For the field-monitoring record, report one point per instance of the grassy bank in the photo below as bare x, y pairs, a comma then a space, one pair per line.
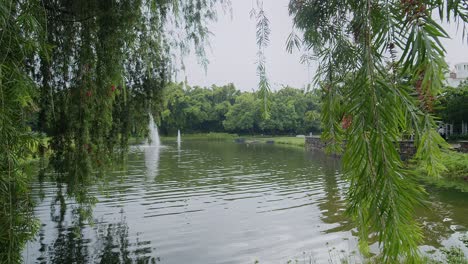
207, 136
284, 140
292, 141
457, 165
456, 175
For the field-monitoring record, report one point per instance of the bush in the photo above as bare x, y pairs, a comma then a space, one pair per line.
457, 165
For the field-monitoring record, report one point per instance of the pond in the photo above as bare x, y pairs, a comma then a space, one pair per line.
217, 202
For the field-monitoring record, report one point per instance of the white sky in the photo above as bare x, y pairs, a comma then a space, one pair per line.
233, 54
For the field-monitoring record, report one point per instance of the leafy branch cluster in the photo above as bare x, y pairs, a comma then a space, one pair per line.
263, 40
381, 65
20, 39
93, 71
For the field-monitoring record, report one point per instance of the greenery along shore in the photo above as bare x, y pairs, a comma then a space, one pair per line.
248, 139
227, 109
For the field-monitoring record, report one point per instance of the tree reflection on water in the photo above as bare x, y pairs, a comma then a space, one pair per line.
79, 237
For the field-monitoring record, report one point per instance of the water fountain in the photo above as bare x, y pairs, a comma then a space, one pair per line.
152, 150
179, 140
153, 136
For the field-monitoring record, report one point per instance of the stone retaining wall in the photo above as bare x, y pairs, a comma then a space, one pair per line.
314, 143
463, 147
407, 148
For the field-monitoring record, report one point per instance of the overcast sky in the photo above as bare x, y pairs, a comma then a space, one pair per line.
233, 53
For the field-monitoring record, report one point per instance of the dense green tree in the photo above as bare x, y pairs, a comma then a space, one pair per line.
243, 115
291, 112
223, 108
223, 97
173, 116
452, 105
194, 109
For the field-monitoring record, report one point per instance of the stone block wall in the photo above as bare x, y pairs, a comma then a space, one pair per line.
407, 147
463, 147
314, 143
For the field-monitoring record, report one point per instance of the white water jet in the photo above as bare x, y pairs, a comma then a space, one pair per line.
153, 137
152, 150
179, 140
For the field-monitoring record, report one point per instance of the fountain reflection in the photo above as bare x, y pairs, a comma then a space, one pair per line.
152, 161
179, 140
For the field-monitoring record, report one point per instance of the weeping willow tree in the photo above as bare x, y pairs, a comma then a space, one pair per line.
20, 39
381, 64
111, 60
93, 71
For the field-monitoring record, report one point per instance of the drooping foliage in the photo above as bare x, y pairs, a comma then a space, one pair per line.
111, 60
225, 109
86, 74
20, 39
381, 65
263, 39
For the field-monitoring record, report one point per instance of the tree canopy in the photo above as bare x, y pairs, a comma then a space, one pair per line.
224, 108
452, 105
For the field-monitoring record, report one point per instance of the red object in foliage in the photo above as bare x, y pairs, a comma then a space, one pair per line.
113, 88
424, 95
89, 93
87, 148
346, 121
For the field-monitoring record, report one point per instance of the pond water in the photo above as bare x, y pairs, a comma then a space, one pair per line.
217, 202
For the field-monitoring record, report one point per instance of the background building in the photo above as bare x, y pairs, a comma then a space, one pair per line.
458, 74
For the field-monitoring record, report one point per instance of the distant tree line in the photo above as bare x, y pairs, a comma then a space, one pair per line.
226, 109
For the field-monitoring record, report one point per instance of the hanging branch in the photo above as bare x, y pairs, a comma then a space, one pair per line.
351, 40
263, 40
